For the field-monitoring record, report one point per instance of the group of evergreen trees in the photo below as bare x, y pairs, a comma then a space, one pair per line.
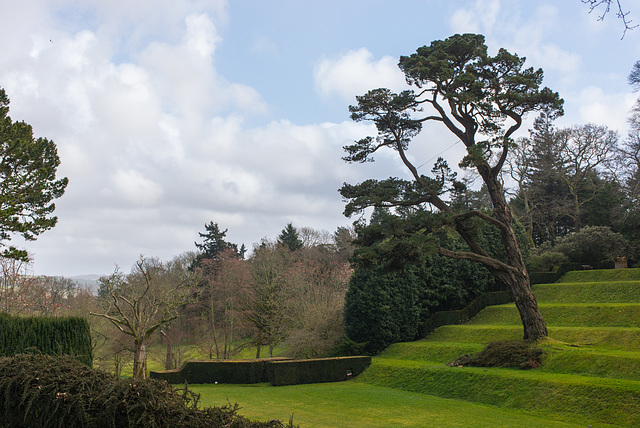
399, 282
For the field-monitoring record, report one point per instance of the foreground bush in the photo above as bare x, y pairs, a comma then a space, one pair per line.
44, 391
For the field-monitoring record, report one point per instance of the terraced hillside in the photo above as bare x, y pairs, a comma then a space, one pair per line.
591, 367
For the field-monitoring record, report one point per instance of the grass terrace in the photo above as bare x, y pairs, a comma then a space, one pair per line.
590, 374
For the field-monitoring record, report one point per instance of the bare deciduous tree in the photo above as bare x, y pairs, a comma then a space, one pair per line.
605, 7
145, 300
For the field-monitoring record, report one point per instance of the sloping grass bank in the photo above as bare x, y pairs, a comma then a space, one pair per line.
557, 396
591, 367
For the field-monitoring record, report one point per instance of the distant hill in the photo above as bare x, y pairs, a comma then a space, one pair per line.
89, 281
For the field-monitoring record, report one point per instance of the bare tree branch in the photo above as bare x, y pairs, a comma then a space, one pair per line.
621, 14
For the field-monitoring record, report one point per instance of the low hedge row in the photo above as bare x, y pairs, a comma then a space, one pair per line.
461, 316
218, 371
316, 370
277, 371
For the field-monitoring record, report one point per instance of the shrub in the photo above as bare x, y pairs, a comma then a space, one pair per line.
592, 245
43, 391
519, 354
547, 261
219, 371
381, 309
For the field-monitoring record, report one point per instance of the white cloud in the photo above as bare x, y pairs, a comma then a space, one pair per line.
478, 18
135, 188
162, 127
201, 36
356, 72
597, 106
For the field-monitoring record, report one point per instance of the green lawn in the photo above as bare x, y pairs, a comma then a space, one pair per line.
590, 374
357, 404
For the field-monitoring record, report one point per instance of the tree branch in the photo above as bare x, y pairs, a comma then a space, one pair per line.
489, 262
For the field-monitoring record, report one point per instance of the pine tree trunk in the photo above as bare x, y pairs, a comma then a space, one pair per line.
516, 278
532, 321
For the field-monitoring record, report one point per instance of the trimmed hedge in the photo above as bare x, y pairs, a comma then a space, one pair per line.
277, 371
316, 370
49, 336
222, 371
461, 316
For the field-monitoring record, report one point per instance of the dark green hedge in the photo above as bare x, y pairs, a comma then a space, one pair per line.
551, 277
50, 336
221, 371
439, 319
277, 371
316, 370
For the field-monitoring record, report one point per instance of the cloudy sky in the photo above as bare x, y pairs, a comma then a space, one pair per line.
169, 114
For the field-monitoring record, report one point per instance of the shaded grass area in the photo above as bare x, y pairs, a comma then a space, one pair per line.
358, 404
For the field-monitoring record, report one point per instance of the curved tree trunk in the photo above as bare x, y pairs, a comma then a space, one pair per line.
515, 275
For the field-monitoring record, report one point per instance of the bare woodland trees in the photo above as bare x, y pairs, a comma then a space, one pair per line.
225, 283
21, 292
558, 173
604, 7
149, 297
268, 302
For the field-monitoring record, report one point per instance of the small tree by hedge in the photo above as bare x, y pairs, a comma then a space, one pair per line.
50, 336
592, 245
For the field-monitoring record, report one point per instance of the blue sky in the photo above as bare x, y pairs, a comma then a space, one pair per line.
169, 114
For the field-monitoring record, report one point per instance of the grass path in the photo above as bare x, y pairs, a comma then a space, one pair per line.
357, 404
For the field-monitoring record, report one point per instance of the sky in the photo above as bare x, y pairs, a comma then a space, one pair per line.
169, 114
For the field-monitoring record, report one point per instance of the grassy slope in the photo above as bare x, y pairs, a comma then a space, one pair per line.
362, 405
591, 374
591, 369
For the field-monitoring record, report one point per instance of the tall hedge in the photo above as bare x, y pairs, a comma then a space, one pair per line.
399, 282
381, 308
49, 336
